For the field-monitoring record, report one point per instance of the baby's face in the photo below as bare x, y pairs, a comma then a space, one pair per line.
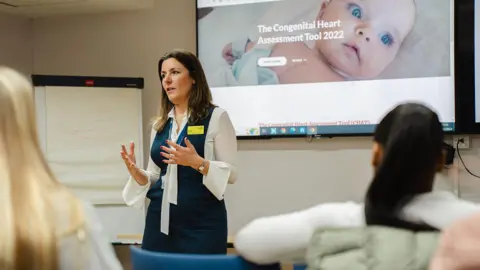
373, 31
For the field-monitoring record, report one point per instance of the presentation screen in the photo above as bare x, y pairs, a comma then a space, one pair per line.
477, 60
325, 67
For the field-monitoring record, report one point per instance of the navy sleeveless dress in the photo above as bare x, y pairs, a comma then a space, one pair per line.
198, 223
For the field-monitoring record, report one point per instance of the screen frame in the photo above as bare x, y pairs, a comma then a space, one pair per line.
464, 31
457, 102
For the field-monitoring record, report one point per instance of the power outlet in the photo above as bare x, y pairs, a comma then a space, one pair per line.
462, 145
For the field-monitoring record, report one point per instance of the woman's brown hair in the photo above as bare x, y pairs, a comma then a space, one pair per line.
200, 96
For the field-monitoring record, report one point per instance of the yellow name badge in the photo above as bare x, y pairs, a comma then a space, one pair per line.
195, 130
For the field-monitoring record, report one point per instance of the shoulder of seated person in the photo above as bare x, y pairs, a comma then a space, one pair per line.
437, 195
63, 207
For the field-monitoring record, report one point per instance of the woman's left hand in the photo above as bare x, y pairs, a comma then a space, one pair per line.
177, 154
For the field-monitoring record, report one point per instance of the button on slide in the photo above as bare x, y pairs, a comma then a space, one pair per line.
272, 61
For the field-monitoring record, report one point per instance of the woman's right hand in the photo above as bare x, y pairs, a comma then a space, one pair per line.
131, 162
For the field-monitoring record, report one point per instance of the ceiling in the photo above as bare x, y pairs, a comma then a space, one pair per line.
44, 8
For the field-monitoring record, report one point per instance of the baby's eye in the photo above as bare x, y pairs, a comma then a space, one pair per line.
386, 39
355, 10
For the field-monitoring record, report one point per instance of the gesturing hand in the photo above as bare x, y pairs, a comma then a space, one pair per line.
177, 154
130, 160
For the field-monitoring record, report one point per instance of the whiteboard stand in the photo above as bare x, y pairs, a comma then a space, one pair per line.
82, 122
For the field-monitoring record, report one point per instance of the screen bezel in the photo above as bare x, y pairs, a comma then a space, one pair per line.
464, 30
457, 102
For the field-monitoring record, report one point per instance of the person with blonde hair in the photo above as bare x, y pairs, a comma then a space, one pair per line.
43, 225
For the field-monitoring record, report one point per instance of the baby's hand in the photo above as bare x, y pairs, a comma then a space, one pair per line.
227, 54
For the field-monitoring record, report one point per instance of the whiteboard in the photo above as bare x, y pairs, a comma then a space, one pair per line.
81, 130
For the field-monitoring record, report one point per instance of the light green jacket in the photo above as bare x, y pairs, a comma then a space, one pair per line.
370, 248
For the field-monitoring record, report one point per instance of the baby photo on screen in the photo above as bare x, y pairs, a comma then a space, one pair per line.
315, 41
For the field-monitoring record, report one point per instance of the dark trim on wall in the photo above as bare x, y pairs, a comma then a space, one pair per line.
87, 81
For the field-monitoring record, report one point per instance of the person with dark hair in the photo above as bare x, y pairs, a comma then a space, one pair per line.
407, 154
192, 159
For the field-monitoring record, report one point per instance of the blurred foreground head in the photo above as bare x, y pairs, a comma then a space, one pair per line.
29, 193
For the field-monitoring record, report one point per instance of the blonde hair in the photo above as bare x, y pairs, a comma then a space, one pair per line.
29, 192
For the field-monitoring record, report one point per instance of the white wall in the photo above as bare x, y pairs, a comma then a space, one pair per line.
275, 176
16, 47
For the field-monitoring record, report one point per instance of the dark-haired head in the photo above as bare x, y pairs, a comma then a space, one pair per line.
407, 153
182, 71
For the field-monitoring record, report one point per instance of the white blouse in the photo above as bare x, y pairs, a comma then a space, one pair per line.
284, 238
220, 150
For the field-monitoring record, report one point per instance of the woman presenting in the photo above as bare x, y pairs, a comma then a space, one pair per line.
192, 159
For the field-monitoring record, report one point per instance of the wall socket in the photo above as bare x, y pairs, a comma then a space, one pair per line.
464, 145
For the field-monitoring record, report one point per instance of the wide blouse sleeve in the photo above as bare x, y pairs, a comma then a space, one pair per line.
223, 169
134, 194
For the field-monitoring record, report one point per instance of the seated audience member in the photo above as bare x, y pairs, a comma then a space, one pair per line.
371, 247
459, 246
407, 154
43, 225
